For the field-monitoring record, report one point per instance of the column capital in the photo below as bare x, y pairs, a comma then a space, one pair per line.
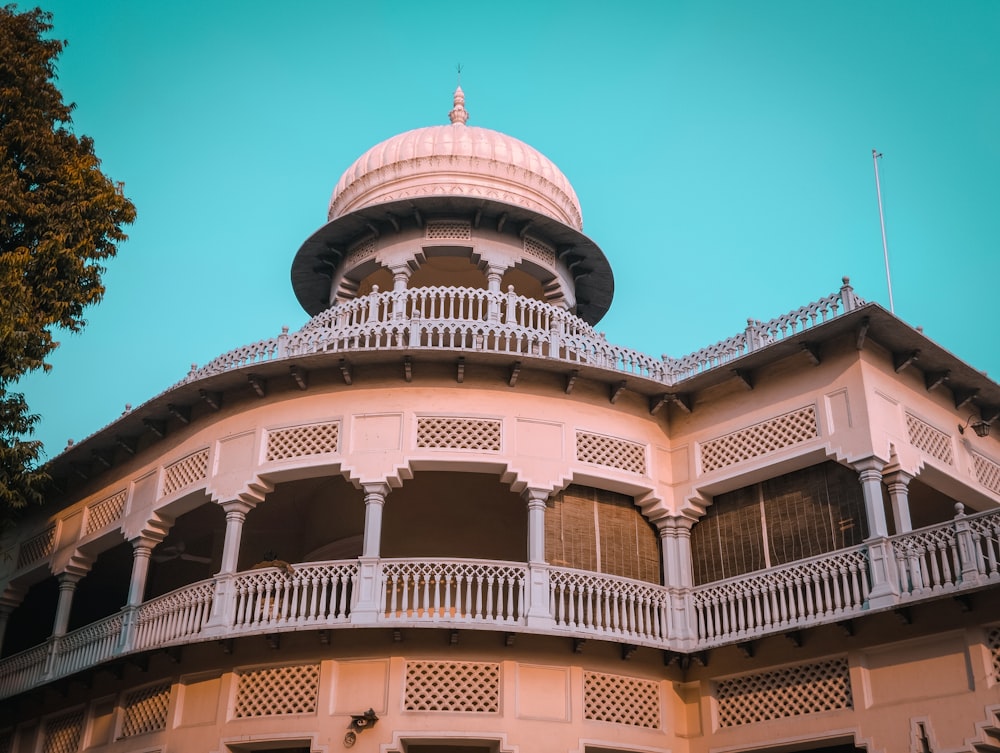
869, 466
241, 505
376, 491
534, 497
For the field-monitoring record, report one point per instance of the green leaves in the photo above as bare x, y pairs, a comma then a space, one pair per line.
60, 217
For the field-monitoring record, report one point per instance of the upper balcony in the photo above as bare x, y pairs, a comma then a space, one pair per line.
945, 560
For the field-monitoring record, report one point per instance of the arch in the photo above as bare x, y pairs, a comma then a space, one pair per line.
305, 520
421, 517
450, 266
780, 519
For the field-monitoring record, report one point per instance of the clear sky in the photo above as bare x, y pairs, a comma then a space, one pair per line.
721, 152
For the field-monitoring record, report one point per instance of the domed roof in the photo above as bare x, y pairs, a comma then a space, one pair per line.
457, 160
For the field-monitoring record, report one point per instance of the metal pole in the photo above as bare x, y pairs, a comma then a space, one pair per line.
881, 218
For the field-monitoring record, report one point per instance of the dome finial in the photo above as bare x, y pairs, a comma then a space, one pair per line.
458, 113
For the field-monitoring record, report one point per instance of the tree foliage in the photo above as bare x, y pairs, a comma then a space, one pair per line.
60, 218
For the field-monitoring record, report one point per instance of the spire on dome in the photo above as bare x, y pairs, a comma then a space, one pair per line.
458, 113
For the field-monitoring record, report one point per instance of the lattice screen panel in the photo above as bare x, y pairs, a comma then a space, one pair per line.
611, 452
37, 547
146, 710
760, 439
929, 440
792, 691
539, 250
459, 231
622, 700
105, 512
185, 472
361, 251
987, 472
62, 733
471, 687
993, 643
441, 433
299, 441
277, 690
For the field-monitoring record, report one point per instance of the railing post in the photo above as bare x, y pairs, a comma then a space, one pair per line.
367, 591
415, 328
752, 335
510, 315
848, 300
283, 342
538, 613
494, 274
555, 336
882, 558
968, 554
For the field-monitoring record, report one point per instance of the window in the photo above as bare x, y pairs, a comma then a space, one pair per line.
785, 519
601, 531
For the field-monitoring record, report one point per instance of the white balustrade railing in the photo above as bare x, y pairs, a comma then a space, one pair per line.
310, 594
174, 616
474, 319
964, 551
455, 591
24, 670
604, 605
87, 646
984, 533
959, 554
831, 585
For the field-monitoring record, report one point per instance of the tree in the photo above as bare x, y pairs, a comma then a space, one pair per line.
60, 218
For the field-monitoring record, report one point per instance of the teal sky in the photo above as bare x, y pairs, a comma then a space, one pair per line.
721, 152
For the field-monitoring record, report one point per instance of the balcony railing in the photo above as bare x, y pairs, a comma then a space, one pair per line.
958, 555
473, 319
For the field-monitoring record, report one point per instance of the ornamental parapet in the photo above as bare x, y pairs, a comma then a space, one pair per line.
477, 320
938, 561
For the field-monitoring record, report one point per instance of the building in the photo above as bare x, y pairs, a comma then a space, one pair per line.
448, 515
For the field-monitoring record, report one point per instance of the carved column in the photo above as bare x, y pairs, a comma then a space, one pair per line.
494, 274
538, 613
400, 282
678, 575
224, 601
236, 518
882, 561
67, 587
366, 605
142, 550
898, 483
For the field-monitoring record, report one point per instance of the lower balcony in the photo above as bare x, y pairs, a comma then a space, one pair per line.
947, 559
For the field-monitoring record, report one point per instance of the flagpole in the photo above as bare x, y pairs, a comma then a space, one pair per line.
881, 218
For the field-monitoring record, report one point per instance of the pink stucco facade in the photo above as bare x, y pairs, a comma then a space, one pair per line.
449, 501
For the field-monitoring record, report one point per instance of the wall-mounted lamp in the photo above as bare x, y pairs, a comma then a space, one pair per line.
982, 428
359, 723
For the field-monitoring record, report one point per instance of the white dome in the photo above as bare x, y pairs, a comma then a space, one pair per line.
457, 160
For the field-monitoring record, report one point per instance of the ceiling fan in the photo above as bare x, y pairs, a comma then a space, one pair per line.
177, 552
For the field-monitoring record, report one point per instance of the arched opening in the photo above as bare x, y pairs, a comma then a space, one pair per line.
104, 590
31, 622
601, 531
450, 266
380, 276
524, 283
191, 551
791, 517
308, 520
929, 505
453, 514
